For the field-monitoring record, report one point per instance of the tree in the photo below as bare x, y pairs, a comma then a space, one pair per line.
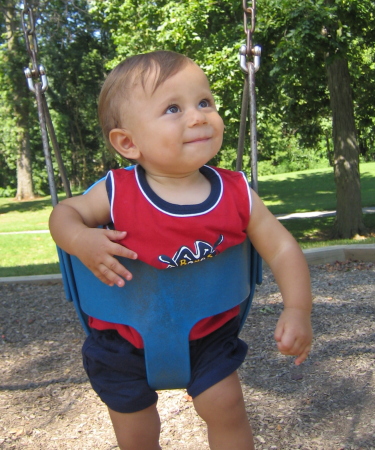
74, 51
309, 46
309, 49
346, 149
12, 61
209, 32
346, 152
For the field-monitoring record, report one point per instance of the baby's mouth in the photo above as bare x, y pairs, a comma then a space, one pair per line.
197, 140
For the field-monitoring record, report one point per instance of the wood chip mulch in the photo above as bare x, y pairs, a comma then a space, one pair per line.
328, 403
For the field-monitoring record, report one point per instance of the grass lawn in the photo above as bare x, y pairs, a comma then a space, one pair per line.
27, 254
310, 190
315, 232
24, 216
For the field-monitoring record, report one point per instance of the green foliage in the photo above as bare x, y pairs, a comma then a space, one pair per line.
8, 145
14, 101
76, 52
207, 31
79, 42
299, 38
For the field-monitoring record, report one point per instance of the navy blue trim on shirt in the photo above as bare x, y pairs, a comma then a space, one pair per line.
181, 210
108, 186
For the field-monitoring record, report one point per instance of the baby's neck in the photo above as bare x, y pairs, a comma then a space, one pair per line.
190, 189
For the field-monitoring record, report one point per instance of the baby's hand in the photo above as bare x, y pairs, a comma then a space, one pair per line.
293, 333
96, 248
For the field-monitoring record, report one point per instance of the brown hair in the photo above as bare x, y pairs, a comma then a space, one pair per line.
136, 69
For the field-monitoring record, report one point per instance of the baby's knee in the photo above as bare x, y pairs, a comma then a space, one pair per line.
224, 399
139, 430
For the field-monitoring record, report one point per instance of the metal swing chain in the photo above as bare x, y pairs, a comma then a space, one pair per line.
249, 67
38, 88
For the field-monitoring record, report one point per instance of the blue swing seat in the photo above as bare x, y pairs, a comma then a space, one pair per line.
164, 305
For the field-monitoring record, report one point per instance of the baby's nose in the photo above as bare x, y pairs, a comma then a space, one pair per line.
197, 117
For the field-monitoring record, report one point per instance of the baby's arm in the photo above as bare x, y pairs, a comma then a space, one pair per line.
73, 225
282, 253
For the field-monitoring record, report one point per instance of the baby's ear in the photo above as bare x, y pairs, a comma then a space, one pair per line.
122, 142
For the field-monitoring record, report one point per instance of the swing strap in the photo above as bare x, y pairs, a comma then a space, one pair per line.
250, 63
37, 73
249, 67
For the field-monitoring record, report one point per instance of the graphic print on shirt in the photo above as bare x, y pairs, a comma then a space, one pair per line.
185, 255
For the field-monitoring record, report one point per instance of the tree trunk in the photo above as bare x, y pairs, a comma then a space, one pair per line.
348, 221
25, 189
20, 102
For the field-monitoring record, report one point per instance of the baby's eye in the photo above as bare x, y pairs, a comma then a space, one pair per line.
204, 103
173, 109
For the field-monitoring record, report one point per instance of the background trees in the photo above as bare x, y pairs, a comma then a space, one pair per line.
74, 53
209, 32
15, 106
318, 49
317, 65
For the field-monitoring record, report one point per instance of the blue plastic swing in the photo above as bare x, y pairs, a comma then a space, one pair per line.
164, 305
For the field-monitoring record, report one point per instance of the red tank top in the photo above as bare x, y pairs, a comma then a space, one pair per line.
167, 236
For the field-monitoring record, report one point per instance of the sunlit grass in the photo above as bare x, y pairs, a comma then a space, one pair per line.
27, 254
22, 249
310, 190
24, 216
315, 232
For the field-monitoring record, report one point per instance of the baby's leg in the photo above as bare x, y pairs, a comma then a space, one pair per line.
139, 430
222, 407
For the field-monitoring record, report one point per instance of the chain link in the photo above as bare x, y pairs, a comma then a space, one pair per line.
247, 50
38, 73
249, 19
249, 67
28, 27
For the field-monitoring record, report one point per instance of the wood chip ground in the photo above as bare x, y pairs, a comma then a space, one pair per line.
328, 403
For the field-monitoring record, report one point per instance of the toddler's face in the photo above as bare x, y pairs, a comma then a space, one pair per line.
176, 128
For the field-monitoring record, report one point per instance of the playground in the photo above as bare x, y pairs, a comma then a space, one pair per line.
46, 401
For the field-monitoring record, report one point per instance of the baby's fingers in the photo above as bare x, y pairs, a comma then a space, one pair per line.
287, 349
120, 250
103, 278
302, 356
114, 235
114, 273
294, 347
117, 249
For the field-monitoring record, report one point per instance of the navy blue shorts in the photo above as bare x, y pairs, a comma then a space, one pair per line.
117, 371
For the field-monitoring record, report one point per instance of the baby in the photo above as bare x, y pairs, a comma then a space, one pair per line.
157, 110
